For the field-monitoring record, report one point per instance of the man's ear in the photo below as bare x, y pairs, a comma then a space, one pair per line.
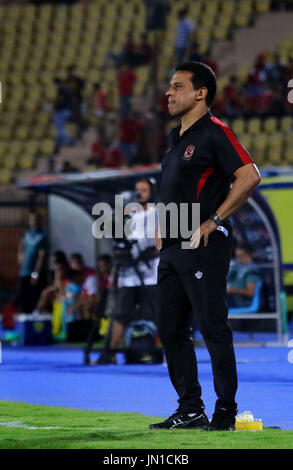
201, 94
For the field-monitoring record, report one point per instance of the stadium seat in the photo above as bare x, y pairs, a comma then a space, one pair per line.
270, 125
263, 6
255, 303
239, 126
286, 124
254, 126
288, 156
275, 156
6, 176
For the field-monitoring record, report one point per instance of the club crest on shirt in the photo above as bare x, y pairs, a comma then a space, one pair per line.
188, 152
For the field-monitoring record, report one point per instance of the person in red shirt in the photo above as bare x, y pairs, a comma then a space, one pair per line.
130, 128
126, 80
100, 105
105, 155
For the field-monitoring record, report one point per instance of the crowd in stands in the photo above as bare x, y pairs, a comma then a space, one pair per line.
263, 93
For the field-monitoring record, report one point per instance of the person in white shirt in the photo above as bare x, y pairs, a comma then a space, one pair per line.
137, 285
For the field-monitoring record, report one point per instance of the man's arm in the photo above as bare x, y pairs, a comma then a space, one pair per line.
39, 264
247, 291
247, 177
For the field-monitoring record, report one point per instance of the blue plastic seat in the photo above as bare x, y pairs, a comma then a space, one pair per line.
255, 303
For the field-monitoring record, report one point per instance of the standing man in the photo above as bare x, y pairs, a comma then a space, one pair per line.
203, 157
32, 251
137, 297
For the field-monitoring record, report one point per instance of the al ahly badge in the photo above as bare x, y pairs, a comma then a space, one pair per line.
188, 152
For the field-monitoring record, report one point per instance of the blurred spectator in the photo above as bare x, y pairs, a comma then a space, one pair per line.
67, 167
130, 128
242, 278
51, 167
87, 301
211, 62
99, 101
71, 297
32, 252
275, 70
62, 113
288, 72
184, 32
104, 282
231, 101
76, 86
51, 293
105, 154
144, 51
127, 55
194, 55
126, 80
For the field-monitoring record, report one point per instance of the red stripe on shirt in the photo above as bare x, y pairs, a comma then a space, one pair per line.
202, 180
242, 153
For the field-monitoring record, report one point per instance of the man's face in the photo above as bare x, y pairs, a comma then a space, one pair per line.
104, 267
35, 222
74, 264
181, 94
242, 257
144, 190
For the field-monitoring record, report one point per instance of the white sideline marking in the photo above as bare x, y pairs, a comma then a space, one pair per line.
19, 424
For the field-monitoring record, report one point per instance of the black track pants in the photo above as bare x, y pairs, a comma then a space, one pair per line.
193, 281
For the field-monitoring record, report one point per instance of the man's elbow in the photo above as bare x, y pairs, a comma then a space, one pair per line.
255, 179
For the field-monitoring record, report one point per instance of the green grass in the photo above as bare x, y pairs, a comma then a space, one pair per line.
99, 430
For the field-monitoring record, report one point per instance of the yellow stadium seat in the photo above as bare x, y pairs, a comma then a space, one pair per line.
38, 132
286, 124
254, 126
10, 162
241, 19
47, 147
262, 6
6, 176
275, 156
220, 32
3, 149
15, 148
245, 6
245, 140
228, 6
288, 156
275, 140
260, 141
5, 132
270, 125
242, 73
238, 126
26, 162
259, 156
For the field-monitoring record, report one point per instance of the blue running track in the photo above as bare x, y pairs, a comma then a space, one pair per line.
52, 375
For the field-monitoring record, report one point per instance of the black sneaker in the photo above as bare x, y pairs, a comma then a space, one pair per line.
106, 358
181, 420
223, 420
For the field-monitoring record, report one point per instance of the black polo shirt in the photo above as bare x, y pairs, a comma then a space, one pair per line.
198, 167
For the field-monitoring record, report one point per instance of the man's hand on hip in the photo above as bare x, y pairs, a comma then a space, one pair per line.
203, 231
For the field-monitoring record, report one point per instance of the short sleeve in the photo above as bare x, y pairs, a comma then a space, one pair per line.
251, 278
228, 152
